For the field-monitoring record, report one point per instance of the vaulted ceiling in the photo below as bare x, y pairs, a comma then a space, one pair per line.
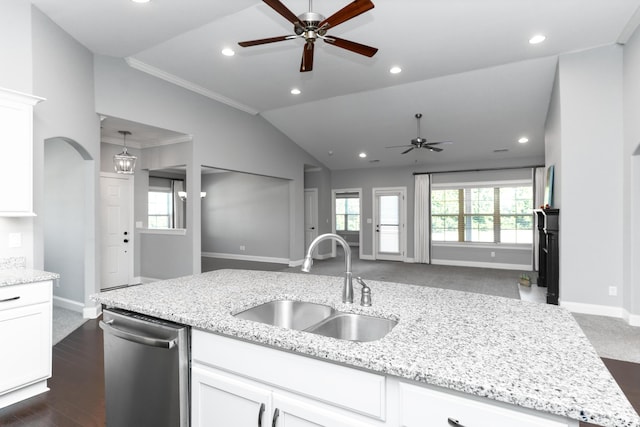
467, 66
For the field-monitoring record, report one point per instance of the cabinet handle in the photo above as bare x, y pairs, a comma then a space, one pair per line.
454, 422
260, 412
10, 299
276, 414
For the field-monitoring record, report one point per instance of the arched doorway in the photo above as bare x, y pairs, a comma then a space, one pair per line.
68, 221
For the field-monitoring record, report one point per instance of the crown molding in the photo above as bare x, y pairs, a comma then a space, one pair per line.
186, 84
630, 28
132, 143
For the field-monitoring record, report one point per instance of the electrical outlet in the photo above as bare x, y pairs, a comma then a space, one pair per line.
242, 248
613, 291
493, 254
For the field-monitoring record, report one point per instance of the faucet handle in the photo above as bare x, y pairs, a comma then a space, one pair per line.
365, 299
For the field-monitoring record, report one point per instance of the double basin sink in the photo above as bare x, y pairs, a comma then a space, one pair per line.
319, 319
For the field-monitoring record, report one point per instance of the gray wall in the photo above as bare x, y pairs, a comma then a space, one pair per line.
591, 159
63, 74
248, 210
64, 219
223, 137
631, 177
320, 179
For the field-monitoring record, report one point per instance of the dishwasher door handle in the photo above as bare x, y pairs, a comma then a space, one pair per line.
139, 339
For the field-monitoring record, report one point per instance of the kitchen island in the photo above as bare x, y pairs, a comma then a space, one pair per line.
520, 356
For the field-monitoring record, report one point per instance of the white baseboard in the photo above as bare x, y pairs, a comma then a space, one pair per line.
409, 260
602, 310
144, 279
322, 256
246, 257
68, 304
499, 266
296, 263
92, 312
367, 257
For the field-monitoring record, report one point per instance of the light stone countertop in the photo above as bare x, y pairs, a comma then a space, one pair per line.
21, 276
523, 353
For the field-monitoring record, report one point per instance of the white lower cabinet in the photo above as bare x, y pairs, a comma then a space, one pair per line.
25, 331
240, 384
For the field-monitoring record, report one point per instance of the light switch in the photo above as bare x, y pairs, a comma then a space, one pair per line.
15, 240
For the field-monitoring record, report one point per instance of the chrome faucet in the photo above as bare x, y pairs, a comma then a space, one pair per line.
347, 289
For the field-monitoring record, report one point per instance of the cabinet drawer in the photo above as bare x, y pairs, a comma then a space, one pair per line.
422, 406
349, 388
23, 295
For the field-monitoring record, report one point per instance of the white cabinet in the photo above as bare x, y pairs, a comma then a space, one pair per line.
421, 406
221, 399
241, 384
25, 332
16, 146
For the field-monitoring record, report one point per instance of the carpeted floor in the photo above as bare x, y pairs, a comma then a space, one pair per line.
64, 322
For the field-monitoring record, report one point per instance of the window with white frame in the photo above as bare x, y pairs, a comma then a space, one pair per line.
500, 213
160, 207
347, 213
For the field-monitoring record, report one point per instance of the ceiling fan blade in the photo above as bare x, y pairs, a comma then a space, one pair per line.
397, 146
284, 12
307, 58
351, 10
436, 149
406, 151
264, 41
439, 142
352, 46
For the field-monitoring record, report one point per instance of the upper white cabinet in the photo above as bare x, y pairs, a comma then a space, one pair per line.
16, 146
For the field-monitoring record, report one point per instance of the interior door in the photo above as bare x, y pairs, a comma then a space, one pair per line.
389, 223
116, 235
310, 217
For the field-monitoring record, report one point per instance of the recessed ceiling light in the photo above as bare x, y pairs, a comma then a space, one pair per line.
523, 140
362, 155
295, 91
538, 38
395, 70
228, 52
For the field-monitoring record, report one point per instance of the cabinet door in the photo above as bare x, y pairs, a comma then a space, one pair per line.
421, 407
219, 400
290, 411
26, 345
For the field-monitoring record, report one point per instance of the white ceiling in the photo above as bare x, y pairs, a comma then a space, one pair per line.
467, 66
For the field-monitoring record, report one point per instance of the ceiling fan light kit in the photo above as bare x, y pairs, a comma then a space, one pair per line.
312, 26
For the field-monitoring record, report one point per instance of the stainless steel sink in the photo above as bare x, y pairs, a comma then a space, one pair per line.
353, 327
319, 319
297, 315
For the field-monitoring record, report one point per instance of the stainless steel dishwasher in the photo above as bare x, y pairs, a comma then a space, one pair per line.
146, 370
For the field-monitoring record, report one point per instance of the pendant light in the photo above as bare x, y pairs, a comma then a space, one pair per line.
124, 162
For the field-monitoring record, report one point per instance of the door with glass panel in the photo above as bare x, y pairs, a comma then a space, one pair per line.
389, 223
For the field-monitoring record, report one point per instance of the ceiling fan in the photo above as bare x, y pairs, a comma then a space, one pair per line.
312, 26
421, 142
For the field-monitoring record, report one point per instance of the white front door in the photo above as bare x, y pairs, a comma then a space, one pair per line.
116, 231
310, 217
389, 223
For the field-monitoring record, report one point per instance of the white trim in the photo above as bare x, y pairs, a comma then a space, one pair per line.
156, 72
596, 309
92, 312
170, 231
144, 280
629, 28
296, 263
367, 257
602, 310
68, 304
246, 257
132, 143
403, 219
323, 256
494, 246
481, 184
499, 266
409, 260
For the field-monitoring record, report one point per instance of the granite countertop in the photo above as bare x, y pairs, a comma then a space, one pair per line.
21, 276
527, 354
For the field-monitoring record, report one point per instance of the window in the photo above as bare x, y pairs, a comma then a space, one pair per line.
160, 208
347, 214
483, 214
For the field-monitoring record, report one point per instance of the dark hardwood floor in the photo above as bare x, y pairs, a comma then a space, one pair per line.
76, 397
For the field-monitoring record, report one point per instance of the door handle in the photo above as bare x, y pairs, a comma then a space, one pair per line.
138, 339
260, 412
454, 422
313, 228
126, 240
276, 414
